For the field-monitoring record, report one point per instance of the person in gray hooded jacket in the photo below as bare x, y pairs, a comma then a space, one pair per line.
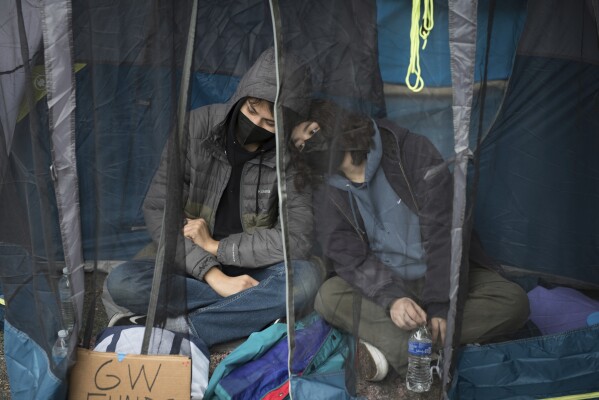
232, 231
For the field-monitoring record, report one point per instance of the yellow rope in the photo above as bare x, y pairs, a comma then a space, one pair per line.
418, 31
594, 395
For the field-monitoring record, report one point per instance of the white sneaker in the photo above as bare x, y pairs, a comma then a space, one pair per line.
120, 319
373, 365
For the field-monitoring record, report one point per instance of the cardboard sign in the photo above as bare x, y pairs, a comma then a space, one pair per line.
113, 376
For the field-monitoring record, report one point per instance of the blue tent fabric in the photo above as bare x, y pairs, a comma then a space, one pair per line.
126, 92
29, 371
133, 117
29, 335
537, 203
394, 20
22, 169
539, 367
130, 112
429, 112
211, 88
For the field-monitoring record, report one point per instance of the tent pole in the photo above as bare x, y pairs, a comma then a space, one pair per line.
462, 47
174, 143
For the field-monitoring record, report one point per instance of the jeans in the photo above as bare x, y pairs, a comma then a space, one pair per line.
216, 319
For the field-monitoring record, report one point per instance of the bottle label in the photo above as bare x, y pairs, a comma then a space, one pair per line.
420, 349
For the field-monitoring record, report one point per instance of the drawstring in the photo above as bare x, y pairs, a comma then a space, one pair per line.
259, 177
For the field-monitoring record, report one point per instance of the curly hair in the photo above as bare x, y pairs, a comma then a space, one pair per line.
345, 130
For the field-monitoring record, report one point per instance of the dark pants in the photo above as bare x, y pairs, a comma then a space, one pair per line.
495, 307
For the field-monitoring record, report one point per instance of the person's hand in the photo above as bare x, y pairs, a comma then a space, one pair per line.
226, 285
406, 314
438, 327
197, 231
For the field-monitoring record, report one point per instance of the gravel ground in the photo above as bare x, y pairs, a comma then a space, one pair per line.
4, 387
392, 387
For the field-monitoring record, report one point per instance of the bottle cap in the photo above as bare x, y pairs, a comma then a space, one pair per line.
65, 270
63, 333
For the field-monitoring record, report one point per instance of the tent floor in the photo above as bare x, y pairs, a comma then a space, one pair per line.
392, 387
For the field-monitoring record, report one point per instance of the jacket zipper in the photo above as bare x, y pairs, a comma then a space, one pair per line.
241, 185
405, 177
403, 173
357, 228
228, 176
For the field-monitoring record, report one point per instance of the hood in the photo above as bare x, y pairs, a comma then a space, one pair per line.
260, 81
375, 155
373, 162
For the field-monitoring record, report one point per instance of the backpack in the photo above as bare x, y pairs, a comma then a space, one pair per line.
128, 340
258, 369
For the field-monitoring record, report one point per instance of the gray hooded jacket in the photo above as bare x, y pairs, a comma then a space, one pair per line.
206, 174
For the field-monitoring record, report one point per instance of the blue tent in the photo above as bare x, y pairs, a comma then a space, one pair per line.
91, 92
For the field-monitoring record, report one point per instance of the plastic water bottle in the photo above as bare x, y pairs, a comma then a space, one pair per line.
61, 346
67, 309
419, 376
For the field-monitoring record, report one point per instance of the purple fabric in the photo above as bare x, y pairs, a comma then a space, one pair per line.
258, 377
560, 309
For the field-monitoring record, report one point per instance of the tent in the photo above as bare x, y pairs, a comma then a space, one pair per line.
92, 91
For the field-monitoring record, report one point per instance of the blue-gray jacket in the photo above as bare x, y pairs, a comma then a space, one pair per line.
407, 157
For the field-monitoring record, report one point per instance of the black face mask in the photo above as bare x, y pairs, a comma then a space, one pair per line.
317, 142
248, 132
319, 154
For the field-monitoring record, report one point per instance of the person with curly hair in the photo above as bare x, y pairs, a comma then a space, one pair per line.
383, 206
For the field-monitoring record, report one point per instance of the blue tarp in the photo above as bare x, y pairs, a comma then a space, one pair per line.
539, 367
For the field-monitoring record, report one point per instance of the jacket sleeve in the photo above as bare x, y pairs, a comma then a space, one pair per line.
264, 246
350, 252
432, 185
197, 260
